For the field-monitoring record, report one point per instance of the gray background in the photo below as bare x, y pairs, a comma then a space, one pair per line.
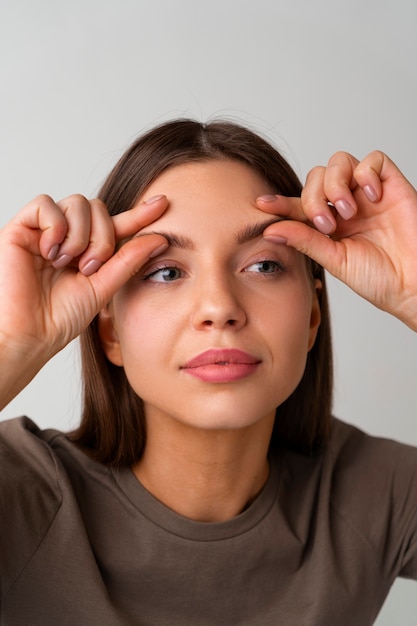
80, 79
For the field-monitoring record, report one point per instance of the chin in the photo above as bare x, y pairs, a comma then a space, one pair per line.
227, 421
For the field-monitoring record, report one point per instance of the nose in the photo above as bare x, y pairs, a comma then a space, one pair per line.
217, 305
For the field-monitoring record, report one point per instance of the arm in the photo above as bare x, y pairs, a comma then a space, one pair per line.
58, 268
367, 237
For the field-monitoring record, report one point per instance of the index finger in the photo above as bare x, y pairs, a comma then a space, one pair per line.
129, 222
290, 208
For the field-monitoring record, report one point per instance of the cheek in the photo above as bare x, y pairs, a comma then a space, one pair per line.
146, 334
290, 324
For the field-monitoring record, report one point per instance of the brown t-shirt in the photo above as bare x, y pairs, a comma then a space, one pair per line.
321, 545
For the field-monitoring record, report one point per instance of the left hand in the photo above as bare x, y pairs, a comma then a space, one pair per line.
367, 238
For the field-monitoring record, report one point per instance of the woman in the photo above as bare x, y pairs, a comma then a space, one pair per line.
207, 482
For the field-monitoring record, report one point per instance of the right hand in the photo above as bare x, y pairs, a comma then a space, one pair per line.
58, 268
372, 228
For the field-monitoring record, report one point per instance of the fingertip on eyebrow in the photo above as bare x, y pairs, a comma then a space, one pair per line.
174, 240
252, 231
246, 234
268, 197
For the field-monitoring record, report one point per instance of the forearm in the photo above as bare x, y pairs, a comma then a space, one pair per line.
18, 366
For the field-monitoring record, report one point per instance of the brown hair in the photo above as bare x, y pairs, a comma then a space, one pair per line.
113, 424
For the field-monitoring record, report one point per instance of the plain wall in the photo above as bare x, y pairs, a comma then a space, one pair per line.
80, 79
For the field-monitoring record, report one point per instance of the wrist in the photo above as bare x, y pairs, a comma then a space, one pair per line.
19, 364
407, 312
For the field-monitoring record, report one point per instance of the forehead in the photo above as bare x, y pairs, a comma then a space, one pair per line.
221, 191
212, 205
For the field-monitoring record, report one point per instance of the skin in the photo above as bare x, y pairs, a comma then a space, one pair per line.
367, 239
65, 269
52, 294
206, 453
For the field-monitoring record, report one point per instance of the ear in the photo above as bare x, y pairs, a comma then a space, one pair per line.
315, 316
108, 337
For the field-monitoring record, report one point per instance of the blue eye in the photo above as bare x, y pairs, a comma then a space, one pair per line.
164, 275
265, 267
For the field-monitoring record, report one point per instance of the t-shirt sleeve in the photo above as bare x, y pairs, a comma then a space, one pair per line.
30, 496
405, 510
375, 489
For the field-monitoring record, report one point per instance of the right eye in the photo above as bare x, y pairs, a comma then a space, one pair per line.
164, 275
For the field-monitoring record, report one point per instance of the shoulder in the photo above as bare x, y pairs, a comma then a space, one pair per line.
30, 493
24, 456
363, 491
373, 488
353, 457
375, 468
352, 452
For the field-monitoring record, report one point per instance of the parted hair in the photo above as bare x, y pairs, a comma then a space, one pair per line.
112, 427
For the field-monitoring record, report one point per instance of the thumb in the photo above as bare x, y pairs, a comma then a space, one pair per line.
124, 264
321, 248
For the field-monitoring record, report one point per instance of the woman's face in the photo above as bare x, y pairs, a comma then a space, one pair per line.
214, 332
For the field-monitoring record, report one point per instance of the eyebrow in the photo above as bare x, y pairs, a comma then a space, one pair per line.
252, 231
248, 233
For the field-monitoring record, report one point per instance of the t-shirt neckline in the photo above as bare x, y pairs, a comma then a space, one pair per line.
167, 519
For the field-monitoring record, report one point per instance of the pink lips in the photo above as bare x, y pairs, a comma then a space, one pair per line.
221, 366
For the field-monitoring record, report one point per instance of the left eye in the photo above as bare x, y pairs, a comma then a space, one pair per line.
164, 275
264, 267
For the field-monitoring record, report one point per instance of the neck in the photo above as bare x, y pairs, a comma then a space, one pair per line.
207, 476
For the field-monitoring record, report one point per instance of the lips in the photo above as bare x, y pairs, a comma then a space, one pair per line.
221, 365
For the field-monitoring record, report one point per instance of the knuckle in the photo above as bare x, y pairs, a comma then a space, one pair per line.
77, 198
76, 245
99, 206
309, 204
373, 162
339, 157
106, 249
378, 155
75, 201
42, 204
43, 198
336, 187
315, 171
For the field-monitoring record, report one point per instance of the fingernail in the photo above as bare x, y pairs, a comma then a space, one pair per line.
276, 239
370, 193
62, 261
53, 252
91, 267
323, 224
154, 199
159, 250
344, 209
267, 198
